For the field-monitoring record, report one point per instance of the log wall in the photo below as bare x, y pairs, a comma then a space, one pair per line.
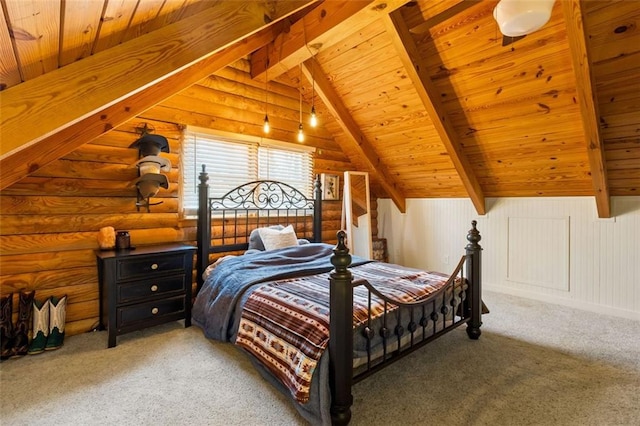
49, 220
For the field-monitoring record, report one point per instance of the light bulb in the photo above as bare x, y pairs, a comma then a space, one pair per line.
300, 134
265, 126
313, 120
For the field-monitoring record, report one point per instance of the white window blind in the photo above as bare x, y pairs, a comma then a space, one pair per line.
291, 167
231, 163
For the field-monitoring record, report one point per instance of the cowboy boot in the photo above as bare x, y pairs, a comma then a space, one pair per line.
58, 315
40, 327
6, 326
21, 330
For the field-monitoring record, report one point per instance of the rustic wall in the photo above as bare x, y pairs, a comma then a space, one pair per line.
49, 220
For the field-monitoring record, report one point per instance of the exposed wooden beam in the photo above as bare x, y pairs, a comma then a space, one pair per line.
417, 72
49, 116
351, 129
326, 25
443, 16
587, 99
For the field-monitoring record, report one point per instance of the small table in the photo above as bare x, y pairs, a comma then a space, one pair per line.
143, 287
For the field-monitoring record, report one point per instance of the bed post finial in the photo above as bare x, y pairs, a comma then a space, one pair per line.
317, 187
203, 228
473, 236
341, 259
474, 275
204, 176
341, 332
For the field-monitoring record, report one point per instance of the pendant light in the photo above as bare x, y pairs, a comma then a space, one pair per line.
265, 125
313, 119
300, 129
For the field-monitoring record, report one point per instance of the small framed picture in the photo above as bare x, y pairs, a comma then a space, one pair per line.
330, 187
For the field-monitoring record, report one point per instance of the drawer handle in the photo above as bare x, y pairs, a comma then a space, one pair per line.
154, 311
154, 266
154, 288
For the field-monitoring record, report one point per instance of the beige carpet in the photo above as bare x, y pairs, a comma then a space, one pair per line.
535, 364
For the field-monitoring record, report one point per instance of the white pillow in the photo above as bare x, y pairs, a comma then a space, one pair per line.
275, 238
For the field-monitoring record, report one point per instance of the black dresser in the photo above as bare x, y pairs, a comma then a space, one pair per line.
144, 287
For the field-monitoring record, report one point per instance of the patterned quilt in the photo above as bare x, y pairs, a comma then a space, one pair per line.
285, 323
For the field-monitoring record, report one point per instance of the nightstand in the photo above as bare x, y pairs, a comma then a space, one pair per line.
143, 287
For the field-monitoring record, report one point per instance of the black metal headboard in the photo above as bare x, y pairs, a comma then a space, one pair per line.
250, 206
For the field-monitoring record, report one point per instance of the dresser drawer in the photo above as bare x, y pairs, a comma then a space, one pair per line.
143, 290
141, 267
156, 310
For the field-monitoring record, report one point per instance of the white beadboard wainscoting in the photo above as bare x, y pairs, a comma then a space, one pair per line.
555, 250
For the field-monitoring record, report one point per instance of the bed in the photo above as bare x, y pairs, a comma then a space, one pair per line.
279, 296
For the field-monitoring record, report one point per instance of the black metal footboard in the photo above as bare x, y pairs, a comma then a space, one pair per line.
402, 328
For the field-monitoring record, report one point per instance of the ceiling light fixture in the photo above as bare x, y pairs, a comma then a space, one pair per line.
265, 126
520, 17
300, 129
313, 119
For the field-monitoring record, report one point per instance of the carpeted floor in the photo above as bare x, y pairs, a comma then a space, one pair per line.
535, 364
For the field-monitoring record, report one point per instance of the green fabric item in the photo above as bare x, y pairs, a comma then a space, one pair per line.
55, 339
37, 344
57, 317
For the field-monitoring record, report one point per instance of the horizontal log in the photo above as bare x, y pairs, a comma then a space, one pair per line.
171, 131
233, 126
115, 155
97, 170
82, 310
38, 243
73, 328
226, 86
75, 293
103, 154
44, 224
124, 140
285, 122
158, 236
10, 204
37, 262
67, 187
244, 78
49, 280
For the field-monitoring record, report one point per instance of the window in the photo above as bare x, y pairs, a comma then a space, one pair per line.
233, 160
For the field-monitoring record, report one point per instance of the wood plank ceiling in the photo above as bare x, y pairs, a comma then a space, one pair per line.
422, 94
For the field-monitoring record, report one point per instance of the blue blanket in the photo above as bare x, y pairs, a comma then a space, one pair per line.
216, 302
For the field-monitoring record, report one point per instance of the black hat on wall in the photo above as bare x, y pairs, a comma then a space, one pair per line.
150, 144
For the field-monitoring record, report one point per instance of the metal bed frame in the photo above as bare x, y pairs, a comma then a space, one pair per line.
263, 203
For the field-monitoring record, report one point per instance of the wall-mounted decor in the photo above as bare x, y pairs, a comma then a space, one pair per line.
150, 165
330, 186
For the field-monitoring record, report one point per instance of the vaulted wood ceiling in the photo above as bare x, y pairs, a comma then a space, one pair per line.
422, 94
